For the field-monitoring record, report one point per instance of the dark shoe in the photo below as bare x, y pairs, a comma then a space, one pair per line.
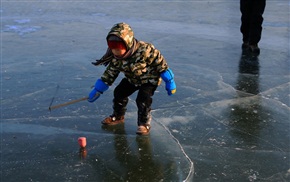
254, 49
245, 45
143, 130
113, 120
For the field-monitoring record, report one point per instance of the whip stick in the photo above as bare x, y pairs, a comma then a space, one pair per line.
67, 103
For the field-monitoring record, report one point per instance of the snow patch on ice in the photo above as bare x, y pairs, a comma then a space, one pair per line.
21, 30
22, 21
180, 119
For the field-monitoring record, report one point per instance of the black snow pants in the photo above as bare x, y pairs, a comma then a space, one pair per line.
143, 100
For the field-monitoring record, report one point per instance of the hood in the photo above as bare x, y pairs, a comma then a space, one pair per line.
123, 31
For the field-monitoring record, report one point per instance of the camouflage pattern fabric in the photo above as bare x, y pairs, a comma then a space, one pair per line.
123, 31
144, 64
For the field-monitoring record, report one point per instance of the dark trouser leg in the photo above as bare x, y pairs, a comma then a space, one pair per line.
144, 101
245, 19
256, 21
121, 94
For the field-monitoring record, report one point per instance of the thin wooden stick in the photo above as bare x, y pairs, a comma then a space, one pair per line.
67, 103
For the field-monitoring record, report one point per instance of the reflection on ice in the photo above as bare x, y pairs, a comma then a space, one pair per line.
116, 152
229, 120
248, 79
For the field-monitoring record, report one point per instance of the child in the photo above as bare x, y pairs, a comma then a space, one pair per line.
143, 67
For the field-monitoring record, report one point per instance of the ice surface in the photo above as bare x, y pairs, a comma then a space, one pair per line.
228, 121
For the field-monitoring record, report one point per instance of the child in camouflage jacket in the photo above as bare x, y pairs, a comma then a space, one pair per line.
143, 67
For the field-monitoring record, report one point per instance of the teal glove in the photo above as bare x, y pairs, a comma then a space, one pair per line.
99, 88
168, 77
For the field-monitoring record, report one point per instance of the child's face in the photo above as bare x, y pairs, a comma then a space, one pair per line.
118, 52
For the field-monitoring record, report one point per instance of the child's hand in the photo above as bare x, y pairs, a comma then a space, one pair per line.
100, 87
170, 87
94, 95
168, 78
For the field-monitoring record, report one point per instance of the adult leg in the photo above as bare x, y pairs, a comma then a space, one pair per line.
256, 21
256, 25
245, 9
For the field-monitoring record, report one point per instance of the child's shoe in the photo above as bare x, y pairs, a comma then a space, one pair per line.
143, 130
113, 120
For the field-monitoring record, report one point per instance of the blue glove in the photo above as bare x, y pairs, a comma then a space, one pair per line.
99, 88
168, 77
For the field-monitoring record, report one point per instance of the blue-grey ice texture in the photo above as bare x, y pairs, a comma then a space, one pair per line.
228, 121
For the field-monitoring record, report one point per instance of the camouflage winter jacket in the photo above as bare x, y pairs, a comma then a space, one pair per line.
142, 63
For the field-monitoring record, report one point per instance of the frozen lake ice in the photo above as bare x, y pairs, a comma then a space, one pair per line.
228, 121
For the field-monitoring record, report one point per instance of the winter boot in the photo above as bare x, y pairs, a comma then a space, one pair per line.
144, 120
245, 45
113, 120
117, 117
143, 130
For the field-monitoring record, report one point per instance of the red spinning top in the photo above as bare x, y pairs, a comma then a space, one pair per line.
82, 142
